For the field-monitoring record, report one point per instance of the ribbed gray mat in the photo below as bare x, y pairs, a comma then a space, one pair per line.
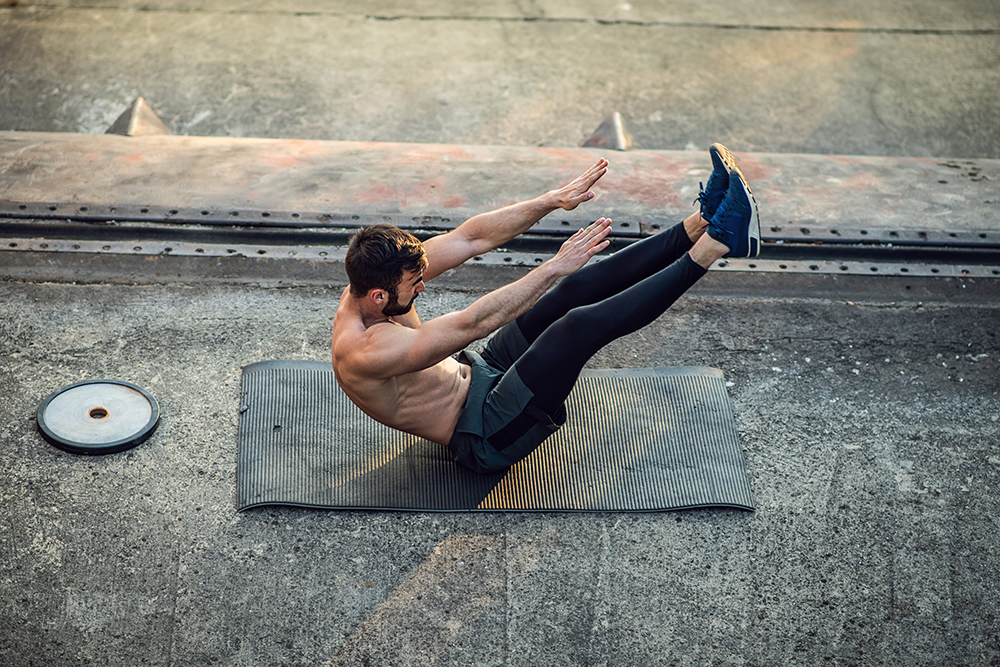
635, 440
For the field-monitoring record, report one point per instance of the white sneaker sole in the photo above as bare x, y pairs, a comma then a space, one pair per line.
753, 229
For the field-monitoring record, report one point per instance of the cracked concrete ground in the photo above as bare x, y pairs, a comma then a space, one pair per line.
870, 444
868, 408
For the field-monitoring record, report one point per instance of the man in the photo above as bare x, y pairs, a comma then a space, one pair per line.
494, 409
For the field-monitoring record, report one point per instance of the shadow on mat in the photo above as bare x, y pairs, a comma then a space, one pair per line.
402, 482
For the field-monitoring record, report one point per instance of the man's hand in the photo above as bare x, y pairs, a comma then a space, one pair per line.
486, 231
578, 191
579, 248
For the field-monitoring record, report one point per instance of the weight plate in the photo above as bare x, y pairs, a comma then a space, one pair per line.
98, 417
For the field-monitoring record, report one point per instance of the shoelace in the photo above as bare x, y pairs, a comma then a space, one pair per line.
702, 197
723, 212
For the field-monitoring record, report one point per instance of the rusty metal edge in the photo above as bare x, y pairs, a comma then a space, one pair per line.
552, 225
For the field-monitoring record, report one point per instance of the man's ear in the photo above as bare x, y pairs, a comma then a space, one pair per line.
378, 296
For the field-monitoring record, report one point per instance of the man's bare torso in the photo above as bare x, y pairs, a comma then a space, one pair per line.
425, 403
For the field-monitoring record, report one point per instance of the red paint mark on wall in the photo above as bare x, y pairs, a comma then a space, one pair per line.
429, 192
287, 154
653, 181
863, 181
455, 201
753, 169
376, 194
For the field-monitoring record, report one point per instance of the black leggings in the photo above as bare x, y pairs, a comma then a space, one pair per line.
599, 303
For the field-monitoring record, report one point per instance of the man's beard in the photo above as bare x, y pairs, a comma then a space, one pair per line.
394, 307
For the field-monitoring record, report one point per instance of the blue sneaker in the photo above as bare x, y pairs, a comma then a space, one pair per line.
735, 223
711, 195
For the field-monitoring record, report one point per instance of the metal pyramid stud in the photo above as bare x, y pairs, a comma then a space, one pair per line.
138, 120
611, 134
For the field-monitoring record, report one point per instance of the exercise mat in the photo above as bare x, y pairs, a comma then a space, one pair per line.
635, 440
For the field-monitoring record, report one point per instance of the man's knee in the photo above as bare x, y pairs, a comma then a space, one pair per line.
579, 327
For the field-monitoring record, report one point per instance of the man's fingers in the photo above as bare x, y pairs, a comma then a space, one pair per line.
599, 247
599, 166
578, 191
584, 244
599, 225
590, 240
594, 174
594, 225
595, 233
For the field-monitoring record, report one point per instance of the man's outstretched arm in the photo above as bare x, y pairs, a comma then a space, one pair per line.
486, 231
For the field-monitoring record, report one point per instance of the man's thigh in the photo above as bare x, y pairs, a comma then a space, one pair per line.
505, 427
505, 347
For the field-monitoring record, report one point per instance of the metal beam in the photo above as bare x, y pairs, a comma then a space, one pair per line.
822, 211
644, 189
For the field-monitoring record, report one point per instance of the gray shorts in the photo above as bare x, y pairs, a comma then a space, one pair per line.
497, 428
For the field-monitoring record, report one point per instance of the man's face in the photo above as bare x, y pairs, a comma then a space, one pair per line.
407, 291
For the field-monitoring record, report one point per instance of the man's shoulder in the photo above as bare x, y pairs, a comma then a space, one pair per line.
348, 335
365, 351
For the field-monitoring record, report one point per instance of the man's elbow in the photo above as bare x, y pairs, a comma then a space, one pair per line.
477, 245
475, 326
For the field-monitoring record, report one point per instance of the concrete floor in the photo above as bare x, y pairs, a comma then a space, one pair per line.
868, 408
869, 427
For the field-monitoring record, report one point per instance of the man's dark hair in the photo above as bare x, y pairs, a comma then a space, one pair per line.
377, 257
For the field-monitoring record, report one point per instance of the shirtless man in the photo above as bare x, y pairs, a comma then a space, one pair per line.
494, 409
